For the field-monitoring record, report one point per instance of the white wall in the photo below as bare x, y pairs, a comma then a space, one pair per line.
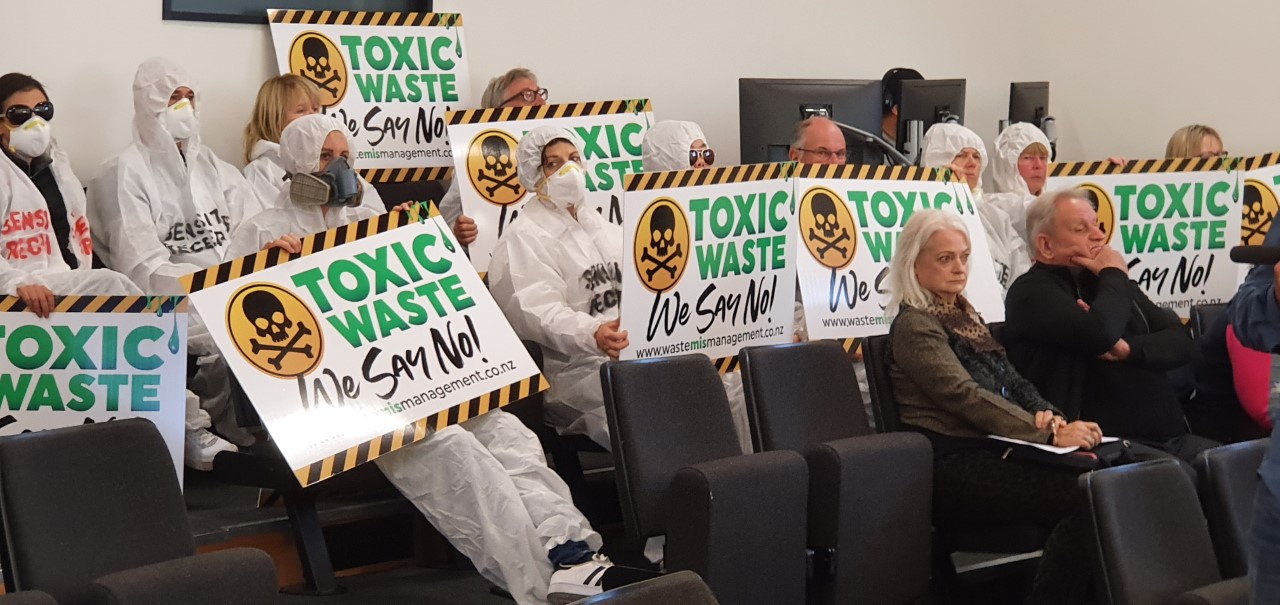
1125, 74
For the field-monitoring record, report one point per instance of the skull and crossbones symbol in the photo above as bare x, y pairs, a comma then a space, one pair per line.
498, 163
824, 216
663, 249
318, 69
1257, 220
269, 319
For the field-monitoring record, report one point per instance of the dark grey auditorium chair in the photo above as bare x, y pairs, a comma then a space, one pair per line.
682, 587
870, 495
1228, 484
83, 503
1203, 316
28, 597
737, 520
1153, 541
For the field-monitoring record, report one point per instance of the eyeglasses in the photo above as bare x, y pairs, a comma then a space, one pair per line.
1211, 155
18, 115
826, 156
708, 155
528, 95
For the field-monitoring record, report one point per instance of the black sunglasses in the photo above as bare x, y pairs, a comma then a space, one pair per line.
18, 115
706, 154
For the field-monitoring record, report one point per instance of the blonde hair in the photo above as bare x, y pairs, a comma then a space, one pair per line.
1037, 149
904, 288
274, 98
1186, 141
497, 88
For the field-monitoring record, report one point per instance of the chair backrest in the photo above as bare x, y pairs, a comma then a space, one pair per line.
81, 502
1229, 482
1153, 540
1203, 316
800, 395
875, 355
684, 587
664, 414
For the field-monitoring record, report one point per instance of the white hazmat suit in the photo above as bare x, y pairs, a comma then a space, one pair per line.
29, 248
558, 279
265, 174
666, 147
1009, 253
1011, 193
299, 152
484, 484
160, 213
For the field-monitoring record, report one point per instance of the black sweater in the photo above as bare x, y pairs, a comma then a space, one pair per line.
1055, 344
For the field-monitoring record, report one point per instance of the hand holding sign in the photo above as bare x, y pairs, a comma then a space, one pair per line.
610, 339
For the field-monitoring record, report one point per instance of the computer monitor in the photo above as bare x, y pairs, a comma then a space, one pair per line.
929, 101
1028, 102
768, 110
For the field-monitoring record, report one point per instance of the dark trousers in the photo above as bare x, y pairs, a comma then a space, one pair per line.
978, 486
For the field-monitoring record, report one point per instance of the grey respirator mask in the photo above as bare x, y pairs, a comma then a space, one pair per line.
337, 186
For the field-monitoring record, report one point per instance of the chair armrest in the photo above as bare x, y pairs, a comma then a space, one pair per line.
871, 499
739, 522
237, 575
1227, 592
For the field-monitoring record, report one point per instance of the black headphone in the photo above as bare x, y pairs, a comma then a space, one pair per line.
893, 77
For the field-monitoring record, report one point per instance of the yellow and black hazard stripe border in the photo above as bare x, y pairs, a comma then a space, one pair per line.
1262, 161
330, 17
647, 181
401, 175
1143, 166
542, 112
104, 304
872, 172
235, 269
417, 431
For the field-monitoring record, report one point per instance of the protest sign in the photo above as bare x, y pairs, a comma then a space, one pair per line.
377, 333
1173, 220
849, 220
389, 77
709, 264
95, 359
484, 154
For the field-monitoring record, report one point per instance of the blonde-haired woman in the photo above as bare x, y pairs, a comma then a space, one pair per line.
281, 100
1195, 141
954, 384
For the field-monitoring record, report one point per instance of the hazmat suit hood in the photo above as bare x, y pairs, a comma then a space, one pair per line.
529, 153
944, 141
1009, 145
666, 145
302, 140
153, 84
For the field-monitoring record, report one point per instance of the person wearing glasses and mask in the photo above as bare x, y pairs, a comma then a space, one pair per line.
163, 209
556, 274
46, 248
1195, 141
516, 88
671, 145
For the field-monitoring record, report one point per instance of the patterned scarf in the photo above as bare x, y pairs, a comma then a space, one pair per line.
959, 317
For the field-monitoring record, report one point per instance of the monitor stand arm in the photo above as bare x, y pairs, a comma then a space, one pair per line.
878, 142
